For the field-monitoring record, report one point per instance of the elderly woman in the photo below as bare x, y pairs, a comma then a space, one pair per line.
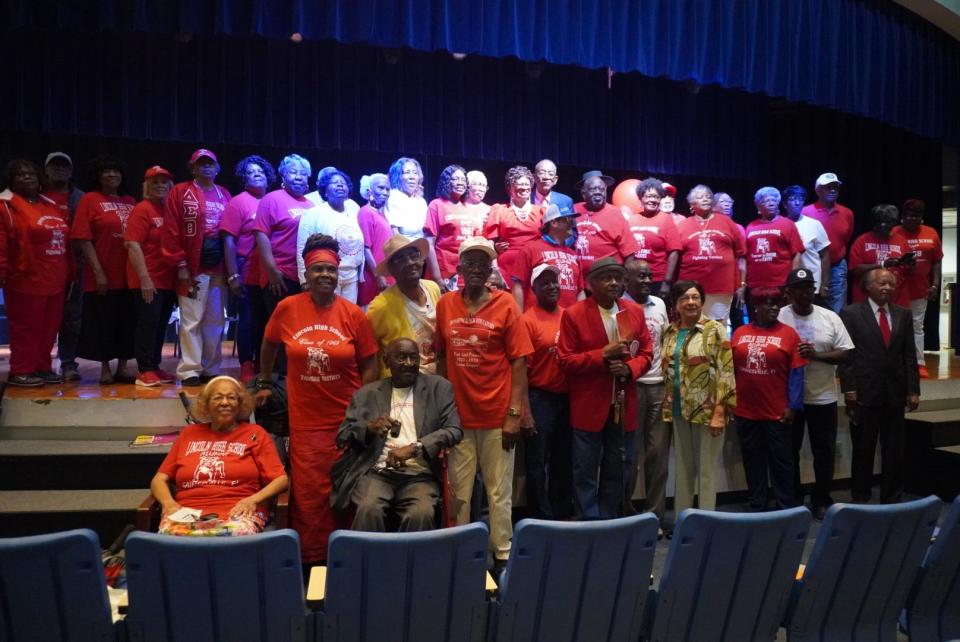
243, 264
275, 228
376, 231
881, 247
151, 277
476, 191
223, 467
406, 207
33, 273
656, 235
107, 326
331, 352
449, 223
774, 246
699, 393
512, 225
712, 251
336, 217
769, 372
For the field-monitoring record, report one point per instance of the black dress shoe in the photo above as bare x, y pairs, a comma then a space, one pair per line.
191, 382
207, 378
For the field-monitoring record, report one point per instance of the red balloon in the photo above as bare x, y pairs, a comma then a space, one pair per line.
625, 194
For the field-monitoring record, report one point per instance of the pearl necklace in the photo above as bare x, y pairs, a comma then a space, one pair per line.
522, 213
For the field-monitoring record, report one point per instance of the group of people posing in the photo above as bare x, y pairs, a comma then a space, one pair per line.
407, 328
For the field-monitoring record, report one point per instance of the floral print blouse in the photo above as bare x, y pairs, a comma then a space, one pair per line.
707, 384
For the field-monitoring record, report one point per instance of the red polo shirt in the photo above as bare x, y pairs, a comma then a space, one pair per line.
838, 221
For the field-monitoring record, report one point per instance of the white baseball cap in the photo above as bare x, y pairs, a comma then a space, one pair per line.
827, 178
540, 269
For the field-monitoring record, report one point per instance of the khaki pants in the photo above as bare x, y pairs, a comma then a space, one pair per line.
717, 307
697, 454
484, 447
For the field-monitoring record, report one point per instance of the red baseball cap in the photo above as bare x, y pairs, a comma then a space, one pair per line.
200, 153
670, 189
155, 171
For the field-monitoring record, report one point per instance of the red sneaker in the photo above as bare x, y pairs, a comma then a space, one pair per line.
148, 379
923, 372
164, 376
247, 372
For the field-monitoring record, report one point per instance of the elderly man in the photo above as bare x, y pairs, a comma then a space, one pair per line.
482, 345
838, 221
604, 347
545, 177
816, 254
824, 343
878, 380
603, 232
554, 247
394, 429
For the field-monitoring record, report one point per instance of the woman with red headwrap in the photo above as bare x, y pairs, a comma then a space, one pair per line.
331, 352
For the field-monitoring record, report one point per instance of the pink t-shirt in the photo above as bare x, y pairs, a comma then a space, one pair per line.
709, 252
771, 246
657, 237
451, 224
215, 201
237, 221
602, 234
278, 216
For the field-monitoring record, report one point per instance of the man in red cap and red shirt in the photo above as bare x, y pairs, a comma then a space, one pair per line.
602, 230
838, 221
191, 240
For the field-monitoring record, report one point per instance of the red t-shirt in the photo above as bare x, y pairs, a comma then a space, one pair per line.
709, 252
762, 360
838, 222
771, 246
543, 367
868, 249
657, 237
61, 200
478, 350
212, 470
278, 216
145, 226
102, 219
926, 245
602, 234
503, 225
237, 221
40, 269
451, 224
564, 258
324, 348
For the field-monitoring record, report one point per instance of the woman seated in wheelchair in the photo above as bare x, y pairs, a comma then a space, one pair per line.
223, 471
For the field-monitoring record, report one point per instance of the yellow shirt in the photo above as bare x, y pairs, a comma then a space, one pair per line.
391, 320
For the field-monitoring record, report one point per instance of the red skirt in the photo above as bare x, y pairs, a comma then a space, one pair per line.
312, 455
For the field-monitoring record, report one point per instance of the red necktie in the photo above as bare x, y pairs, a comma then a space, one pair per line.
884, 326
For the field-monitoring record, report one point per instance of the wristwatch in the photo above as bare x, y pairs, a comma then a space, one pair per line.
418, 446
232, 278
513, 412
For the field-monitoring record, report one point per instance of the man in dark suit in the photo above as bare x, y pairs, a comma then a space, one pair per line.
878, 381
545, 177
392, 432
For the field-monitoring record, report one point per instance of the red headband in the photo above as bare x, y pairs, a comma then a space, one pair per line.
321, 255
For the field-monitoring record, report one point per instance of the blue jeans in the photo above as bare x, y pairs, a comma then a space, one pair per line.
549, 471
609, 452
838, 286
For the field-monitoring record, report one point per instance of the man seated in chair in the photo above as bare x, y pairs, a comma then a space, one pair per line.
392, 434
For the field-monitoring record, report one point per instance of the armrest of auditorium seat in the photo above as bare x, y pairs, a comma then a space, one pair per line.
317, 587
147, 517
490, 586
281, 517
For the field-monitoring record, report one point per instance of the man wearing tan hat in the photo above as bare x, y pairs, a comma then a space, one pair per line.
482, 345
408, 309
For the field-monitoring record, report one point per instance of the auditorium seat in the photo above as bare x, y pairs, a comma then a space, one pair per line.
860, 571
52, 589
426, 586
219, 588
728, 576
933, 607
576, 580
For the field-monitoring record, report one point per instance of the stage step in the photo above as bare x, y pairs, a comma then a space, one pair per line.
48, 464
943, 426
107, 512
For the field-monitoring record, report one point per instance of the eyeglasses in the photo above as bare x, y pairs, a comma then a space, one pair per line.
221, 398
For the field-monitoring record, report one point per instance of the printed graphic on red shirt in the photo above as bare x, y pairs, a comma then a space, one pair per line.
762, 360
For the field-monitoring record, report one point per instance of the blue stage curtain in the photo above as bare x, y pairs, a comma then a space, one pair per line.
867, 57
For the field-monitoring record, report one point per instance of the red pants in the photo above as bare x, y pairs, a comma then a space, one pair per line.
34, 321
312, 454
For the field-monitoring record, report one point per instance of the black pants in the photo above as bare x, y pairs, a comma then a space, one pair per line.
549, 460
767, 446
821, 425
885, 422
270, 302
69, 335
251, 321
151, 328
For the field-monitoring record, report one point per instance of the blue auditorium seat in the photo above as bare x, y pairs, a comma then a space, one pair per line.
416, 587
933, 607
582, 581
239, 589
52, 589
728, 576
860, 571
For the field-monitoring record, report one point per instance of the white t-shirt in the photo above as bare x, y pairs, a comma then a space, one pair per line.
423, 320
814, 238
655, 312
824, 329
401, 409
406, 213
344, 227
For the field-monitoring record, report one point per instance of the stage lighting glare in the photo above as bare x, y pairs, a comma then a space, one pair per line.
296, 36
459, 56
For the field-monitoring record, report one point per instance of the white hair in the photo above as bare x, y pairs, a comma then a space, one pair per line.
475, 175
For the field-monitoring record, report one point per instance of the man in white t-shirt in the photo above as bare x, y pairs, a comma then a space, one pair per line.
824, 343
652, 445
392, 433
815, 257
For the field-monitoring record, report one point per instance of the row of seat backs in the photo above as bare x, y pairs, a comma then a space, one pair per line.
727, 577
